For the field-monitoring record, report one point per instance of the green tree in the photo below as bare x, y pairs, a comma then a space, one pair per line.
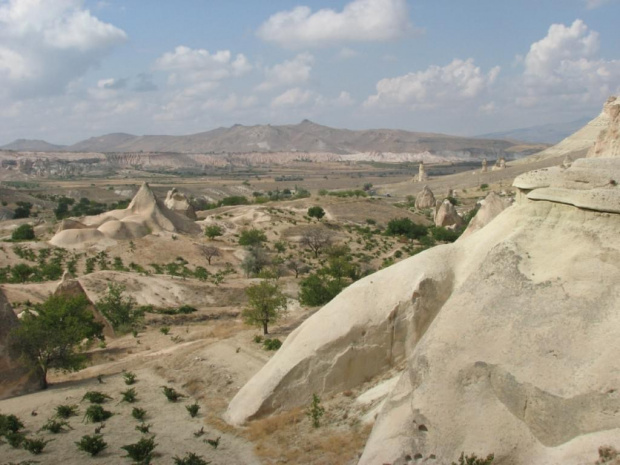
213, 231
266, 304
53, 339
120, 311
255, 260
250, 237
316, 212
406, 227
319, 288
25, 232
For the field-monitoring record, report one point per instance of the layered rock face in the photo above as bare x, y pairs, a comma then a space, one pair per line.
490, 207
145, 215
508, 337
15, 378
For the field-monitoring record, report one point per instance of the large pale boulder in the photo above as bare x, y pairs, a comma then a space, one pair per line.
425, 199
507, 341
446, 216
608, 141
178, 202
15, 378
490, 207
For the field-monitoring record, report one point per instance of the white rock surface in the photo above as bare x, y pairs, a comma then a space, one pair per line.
490, 207
446, 216
425, 199
510, 336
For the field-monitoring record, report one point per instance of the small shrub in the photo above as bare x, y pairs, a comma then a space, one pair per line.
130, 396
315, 411
10, 424
213, 442
96, 397
55, 426
96, 414
66, 411
272, 344
172, 394
138, 413
165, 330
142, 451
129, 377
35, 445
186, 310
15, 439
258, 338
144, 428
190, 459
23, 233
193, 409
474, 460
484, 187
91, 444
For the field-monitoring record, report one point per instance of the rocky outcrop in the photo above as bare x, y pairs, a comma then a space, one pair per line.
15, 378
70, 287
500, 164
446, 216
422, 175
178, 202
490, 207
506, 340
144, 215
425, 199
608, 141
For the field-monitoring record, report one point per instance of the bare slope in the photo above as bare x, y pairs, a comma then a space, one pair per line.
31, 145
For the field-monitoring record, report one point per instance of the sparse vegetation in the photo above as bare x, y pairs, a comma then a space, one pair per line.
55, 426
172, 394
66, 411
129, 396
129, 377
35, 445
190, 459
96, 414
144, 428
193, 409
120, 310
315, 411
92, 445
474, 460
96, 397
141, 452
138, 413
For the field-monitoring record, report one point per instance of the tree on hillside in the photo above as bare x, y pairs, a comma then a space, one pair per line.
121, 311
213, 231
316, 239
266, 304
255, 260
25, 232
209, 252
53, 339
316, 212
252, 237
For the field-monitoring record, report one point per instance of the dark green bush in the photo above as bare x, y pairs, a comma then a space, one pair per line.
172, 394
190, 459
35, 445
25, 232
193, 409
96, 414
474, 460
272, 344
141, 452
10, 424
92, 444
66, 411
138, 413
96, 397
55, 426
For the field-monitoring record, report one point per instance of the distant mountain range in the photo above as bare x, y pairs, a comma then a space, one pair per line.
32, 145
304, 137
545, 134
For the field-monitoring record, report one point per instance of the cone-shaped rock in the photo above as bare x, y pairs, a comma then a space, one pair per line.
425, 199
447, 216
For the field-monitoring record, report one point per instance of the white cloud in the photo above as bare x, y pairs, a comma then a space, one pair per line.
293, 97
457, 81
592, 4
112, 83
347, 53
565, 67
199, 64
48, 43
291, 72
359, 21
344, 99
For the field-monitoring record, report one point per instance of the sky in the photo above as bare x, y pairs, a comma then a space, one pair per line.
73, 69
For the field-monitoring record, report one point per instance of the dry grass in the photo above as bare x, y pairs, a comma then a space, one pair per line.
288, 437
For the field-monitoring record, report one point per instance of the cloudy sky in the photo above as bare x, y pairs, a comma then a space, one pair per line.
71, 69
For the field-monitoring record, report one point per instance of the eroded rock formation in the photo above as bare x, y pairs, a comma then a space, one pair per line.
178, 202
144, 215
509, 337
15, 378
490, 207
425, 199
446, 216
